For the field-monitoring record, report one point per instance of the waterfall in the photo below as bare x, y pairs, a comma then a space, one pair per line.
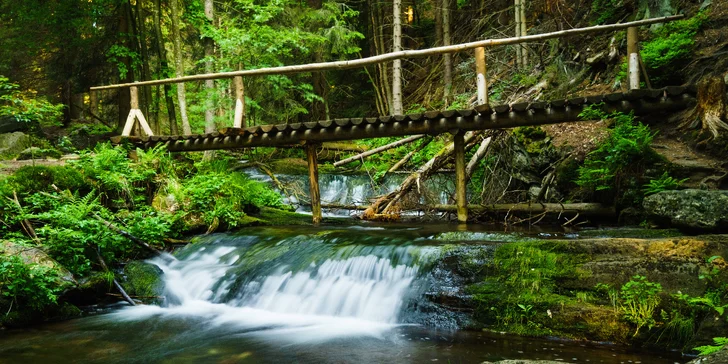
324, 287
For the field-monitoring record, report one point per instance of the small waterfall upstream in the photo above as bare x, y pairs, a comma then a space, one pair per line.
324, 286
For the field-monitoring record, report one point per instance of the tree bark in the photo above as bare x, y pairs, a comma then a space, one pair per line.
447, 58
124, 96
524, 48
409, 156
179, 66
397, 63
209, 68
164, 67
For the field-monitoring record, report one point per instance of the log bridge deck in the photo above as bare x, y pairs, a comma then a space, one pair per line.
456, 122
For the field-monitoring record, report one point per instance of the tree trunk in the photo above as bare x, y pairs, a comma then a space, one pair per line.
524, 32
164, 67
209, 68
712, 104
124, 95
141, 36
397, 64
179, 66
447, 58
519, 49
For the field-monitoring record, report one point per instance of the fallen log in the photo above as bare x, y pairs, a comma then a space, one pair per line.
384, 205
409, 156
479, 154
583, 209
378, 150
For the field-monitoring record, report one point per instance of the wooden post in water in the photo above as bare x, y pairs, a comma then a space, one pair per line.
311, 149
239, 120
134, 114
480, 70
633, 54
460, 185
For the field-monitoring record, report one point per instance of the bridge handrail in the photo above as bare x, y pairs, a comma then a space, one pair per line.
340, 65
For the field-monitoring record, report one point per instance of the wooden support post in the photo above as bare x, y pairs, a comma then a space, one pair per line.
633, 54
134, 114
460, 183
239, 120
480, 70
311, 149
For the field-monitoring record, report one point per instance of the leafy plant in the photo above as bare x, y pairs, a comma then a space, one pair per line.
31, 285
640, 298
626, 143
664, 183
720, 343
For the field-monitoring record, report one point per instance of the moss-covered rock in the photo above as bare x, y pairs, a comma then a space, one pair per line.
143, 281
39, 153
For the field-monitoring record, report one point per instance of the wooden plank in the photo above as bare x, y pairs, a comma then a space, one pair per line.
521, 106
484, 109
502, 109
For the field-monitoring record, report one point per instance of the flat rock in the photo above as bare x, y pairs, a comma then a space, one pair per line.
697, 210
14, 143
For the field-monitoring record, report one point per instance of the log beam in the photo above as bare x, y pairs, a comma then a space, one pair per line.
388, 57
633, 57
460, 182
311, 149
239, 118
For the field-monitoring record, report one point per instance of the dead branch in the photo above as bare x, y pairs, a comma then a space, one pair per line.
361, 156
409, 156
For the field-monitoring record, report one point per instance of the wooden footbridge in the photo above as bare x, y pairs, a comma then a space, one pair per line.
456, 122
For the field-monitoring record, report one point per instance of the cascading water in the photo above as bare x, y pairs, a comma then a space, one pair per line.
323, 286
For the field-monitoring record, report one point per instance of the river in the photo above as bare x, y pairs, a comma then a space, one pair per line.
347, 294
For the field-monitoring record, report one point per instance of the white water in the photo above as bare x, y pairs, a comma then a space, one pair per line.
358, 296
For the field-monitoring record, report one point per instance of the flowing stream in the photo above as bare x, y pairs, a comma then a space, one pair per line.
298, 294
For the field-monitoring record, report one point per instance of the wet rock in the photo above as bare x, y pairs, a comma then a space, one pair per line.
631, 216
144, 280
31, 255
720, 357
14, 143
696, 210
523, 361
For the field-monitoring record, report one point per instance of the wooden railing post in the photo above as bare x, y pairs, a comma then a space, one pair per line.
633, 54
480, 70
134, 114
311, 149
239, 120
460, 185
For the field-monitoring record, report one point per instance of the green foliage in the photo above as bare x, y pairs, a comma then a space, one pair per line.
627, 143
606, 10
669, 49
720, 343
31, 179
664, 183
640, 298
31, 286
26, 106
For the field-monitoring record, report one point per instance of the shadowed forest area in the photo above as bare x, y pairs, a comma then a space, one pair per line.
80, 214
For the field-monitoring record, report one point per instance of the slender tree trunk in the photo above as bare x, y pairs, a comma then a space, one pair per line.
397, 64
524, 32
164, 67
519, 49
141, 36
447, 58
179, 66
124, 95
209, 68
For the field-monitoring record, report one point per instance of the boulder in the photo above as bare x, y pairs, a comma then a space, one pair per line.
720, 357
144, 281
14, 143
697, 210
31, 255
9, 124
38, 153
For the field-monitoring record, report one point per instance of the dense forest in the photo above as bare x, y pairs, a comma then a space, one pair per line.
77, 212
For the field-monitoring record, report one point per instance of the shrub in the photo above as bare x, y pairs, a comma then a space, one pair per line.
627, 143
25, 106
640, 298
28, 285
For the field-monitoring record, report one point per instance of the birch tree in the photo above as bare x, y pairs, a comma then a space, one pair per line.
179, 66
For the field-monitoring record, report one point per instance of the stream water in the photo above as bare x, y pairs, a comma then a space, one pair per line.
298, 294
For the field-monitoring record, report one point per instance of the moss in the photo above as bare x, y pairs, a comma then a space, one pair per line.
271, 216
31, 179
143, 280
289, 166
